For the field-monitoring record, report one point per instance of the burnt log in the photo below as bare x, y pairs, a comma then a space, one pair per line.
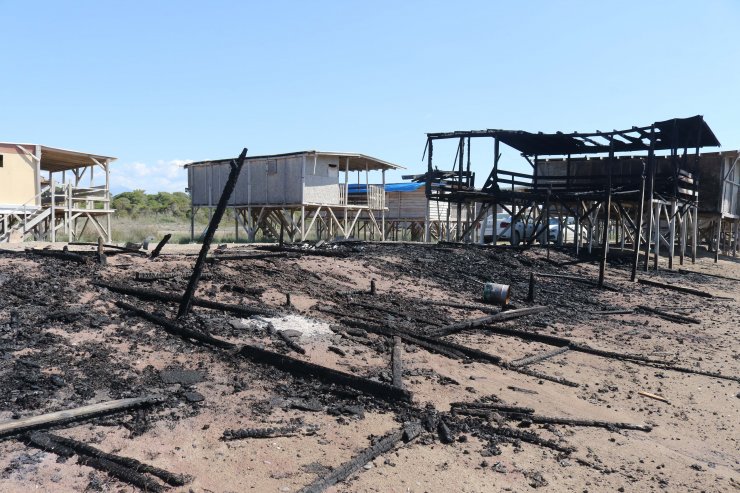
272, 432
155, 295
158, 249
558, 420
673, 287
63, 255
385, 444
137, 466
118, 471
236, 167
176, 329
304, 368
538, 357
479, 322
673, 317
16, 426
290, 342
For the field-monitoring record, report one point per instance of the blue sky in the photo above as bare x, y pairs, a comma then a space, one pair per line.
159, 83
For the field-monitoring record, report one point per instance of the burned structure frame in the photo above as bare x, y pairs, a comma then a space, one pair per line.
592, 179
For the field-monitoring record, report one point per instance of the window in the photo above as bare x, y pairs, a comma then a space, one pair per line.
272, 167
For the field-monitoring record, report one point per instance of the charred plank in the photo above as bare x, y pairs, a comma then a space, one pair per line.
304, 368
156, 295
385, 444
479, 322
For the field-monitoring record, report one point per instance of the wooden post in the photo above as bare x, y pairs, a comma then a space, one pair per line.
656, 222
602, 264
694, 232
578, 228
638, 233
382, 210
672, 233
719, 235
682, 236
650, 195
187, 299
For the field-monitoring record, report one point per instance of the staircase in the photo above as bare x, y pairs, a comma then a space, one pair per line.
25, 218
24, 224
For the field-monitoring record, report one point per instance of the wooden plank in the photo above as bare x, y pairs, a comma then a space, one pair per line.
538, 357
15, 426
478, 322
673, 287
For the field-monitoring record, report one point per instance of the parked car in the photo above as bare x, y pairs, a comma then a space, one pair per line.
569, 229
505, 231
503, 227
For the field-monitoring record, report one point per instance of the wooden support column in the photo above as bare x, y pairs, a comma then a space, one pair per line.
656, 223
578, 227
382, 210
694, 232
650, 195
672, 233
602, 264
719, 236
638, 233
682, 235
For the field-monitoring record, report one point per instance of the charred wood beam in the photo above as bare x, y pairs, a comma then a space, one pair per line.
282, 431
158, 249
545, 376
121, 249
290, 342
611, 312
431, 346
673, 317
538, 357
396, 363
453, 304
155, 295
395, 313
118, 471
446, 348
154, 276
684, 271
236, 167
479, 322
530, 437
633, 358
16, 426
139, 467
258, 256
673, 287
176, 329
303, 251
63, 255
459, 407
385, 444
303, 368
558, 420
608, 287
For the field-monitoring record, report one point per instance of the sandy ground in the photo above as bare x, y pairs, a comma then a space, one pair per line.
694, 445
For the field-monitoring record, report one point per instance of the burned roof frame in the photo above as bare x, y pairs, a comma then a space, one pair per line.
676, 133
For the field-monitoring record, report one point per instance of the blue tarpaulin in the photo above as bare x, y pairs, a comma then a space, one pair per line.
355, 188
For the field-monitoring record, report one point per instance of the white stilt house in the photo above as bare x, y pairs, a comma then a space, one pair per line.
409, 214
53, 194
304, 194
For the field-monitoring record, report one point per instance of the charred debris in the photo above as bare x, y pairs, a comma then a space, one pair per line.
385, 321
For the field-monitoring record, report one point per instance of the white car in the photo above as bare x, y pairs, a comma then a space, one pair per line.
504, 229
569, 229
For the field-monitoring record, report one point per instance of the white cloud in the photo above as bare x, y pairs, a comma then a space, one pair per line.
162, 176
